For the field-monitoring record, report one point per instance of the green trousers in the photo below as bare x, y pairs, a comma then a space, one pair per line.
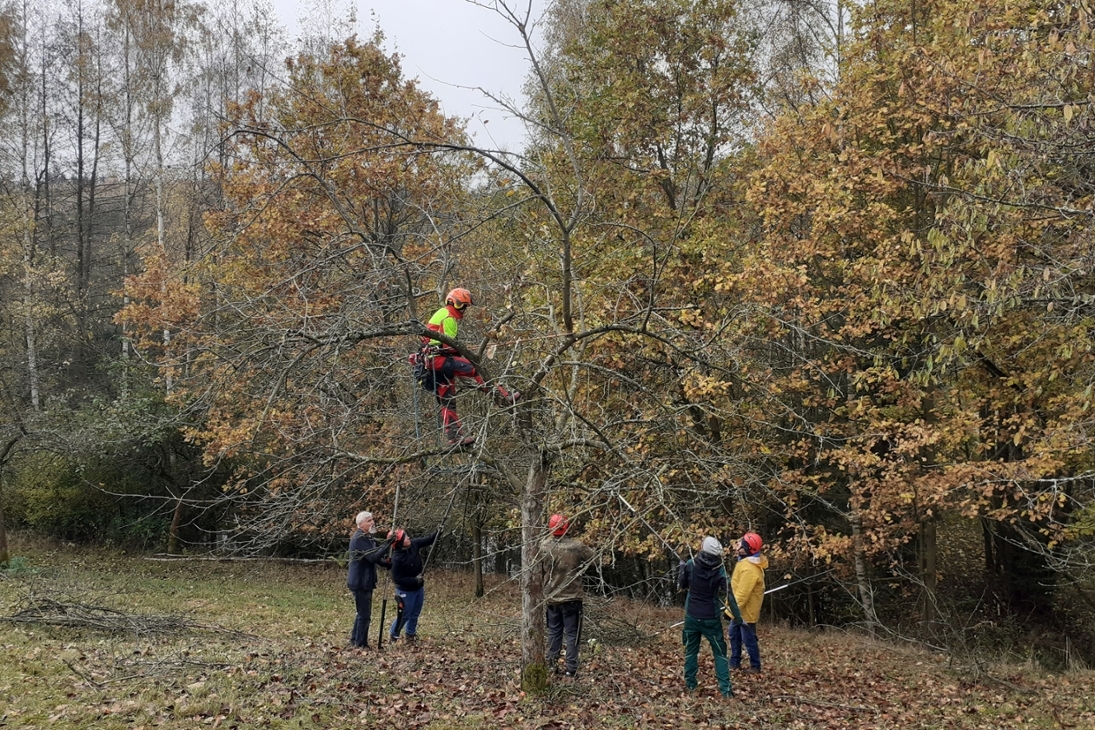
710, 629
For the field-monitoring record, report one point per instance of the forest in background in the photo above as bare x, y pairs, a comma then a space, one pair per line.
819, 270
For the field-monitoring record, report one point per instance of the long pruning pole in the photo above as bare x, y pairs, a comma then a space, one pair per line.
800, 580
441, 524
384, 601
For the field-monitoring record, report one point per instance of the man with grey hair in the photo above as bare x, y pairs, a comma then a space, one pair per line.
365, 555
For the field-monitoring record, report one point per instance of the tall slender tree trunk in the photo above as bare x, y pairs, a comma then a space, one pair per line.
127, 202
928, 572
478, 515
477, 557
173, 531
28, 205
176, 518
533, 668
5, 553
927, 540
28, 309
863, 581
169, 381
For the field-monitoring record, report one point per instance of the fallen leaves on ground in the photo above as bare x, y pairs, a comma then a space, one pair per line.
463, 672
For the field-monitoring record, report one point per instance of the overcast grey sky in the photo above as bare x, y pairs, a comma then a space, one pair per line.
449, 45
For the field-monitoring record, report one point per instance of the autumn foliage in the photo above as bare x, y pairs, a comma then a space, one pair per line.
856, 318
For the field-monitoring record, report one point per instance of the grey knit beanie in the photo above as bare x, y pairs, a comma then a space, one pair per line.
712, 545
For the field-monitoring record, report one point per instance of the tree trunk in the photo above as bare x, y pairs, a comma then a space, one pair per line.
533, 669
812, 613
928, 573
176, 518
169, 379
866, 594
477, 557
5, 555
173, 531
986, 537
28, 210
477, 498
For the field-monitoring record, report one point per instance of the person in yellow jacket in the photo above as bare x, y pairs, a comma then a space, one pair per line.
747, 585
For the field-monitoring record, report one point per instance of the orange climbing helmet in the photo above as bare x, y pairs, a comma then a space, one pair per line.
558, 525
459, 298
752, 543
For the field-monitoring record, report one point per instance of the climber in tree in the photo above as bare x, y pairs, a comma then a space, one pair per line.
440, 365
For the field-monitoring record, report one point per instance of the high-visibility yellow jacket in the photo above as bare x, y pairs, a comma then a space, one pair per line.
446, 321
747, 585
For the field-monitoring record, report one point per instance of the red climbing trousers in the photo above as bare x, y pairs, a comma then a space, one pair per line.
441, 371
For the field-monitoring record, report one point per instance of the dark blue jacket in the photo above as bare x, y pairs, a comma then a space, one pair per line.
705, 580
407, 563
365, 555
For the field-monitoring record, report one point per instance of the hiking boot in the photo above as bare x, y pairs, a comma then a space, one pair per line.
455, 436
412, 639
504, 399
751, 670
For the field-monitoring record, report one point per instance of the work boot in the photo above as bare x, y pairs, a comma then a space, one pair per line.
503, 398
456, 437
461, 441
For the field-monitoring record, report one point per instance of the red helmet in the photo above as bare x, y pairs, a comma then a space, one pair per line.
558, 525
459, 298
752, 543
397, 537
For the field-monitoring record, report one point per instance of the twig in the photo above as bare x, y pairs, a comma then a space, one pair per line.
1009, 685
81, 675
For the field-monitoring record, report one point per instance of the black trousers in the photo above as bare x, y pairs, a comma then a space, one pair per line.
564, 619
364, 602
